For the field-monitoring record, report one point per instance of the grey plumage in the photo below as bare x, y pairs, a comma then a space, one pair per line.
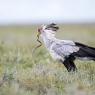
64, 49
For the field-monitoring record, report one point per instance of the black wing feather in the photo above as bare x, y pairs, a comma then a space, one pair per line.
85, 51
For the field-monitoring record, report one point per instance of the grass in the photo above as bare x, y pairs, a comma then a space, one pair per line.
22, 73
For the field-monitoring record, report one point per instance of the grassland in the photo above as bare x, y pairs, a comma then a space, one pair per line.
24, 73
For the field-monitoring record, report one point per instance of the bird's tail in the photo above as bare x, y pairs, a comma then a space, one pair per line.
90, 51
86, 51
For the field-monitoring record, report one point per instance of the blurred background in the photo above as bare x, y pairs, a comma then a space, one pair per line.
24, 73
21, 17
46, 11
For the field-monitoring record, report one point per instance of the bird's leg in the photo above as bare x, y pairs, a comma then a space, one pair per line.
69, 64
73, 66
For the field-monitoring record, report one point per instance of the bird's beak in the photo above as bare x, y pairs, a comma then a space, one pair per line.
39, 32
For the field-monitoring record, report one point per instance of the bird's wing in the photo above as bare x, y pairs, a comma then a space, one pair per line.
85, 51
64, 49
69, 42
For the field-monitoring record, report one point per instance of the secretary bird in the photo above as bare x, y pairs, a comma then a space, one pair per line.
65, 51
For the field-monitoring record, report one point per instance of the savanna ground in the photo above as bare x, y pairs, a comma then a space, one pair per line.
24, 73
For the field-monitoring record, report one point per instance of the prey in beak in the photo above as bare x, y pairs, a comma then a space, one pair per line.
40, 43
39, 32
38, 36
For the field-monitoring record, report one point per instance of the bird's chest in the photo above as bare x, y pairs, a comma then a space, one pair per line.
55, 56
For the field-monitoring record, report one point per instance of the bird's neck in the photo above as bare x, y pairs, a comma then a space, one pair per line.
48, 38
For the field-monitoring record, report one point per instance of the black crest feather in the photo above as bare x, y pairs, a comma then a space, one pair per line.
52, 26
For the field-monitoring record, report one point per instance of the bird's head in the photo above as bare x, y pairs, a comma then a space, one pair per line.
48, 29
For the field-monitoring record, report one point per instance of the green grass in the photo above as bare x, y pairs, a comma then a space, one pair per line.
24, 73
